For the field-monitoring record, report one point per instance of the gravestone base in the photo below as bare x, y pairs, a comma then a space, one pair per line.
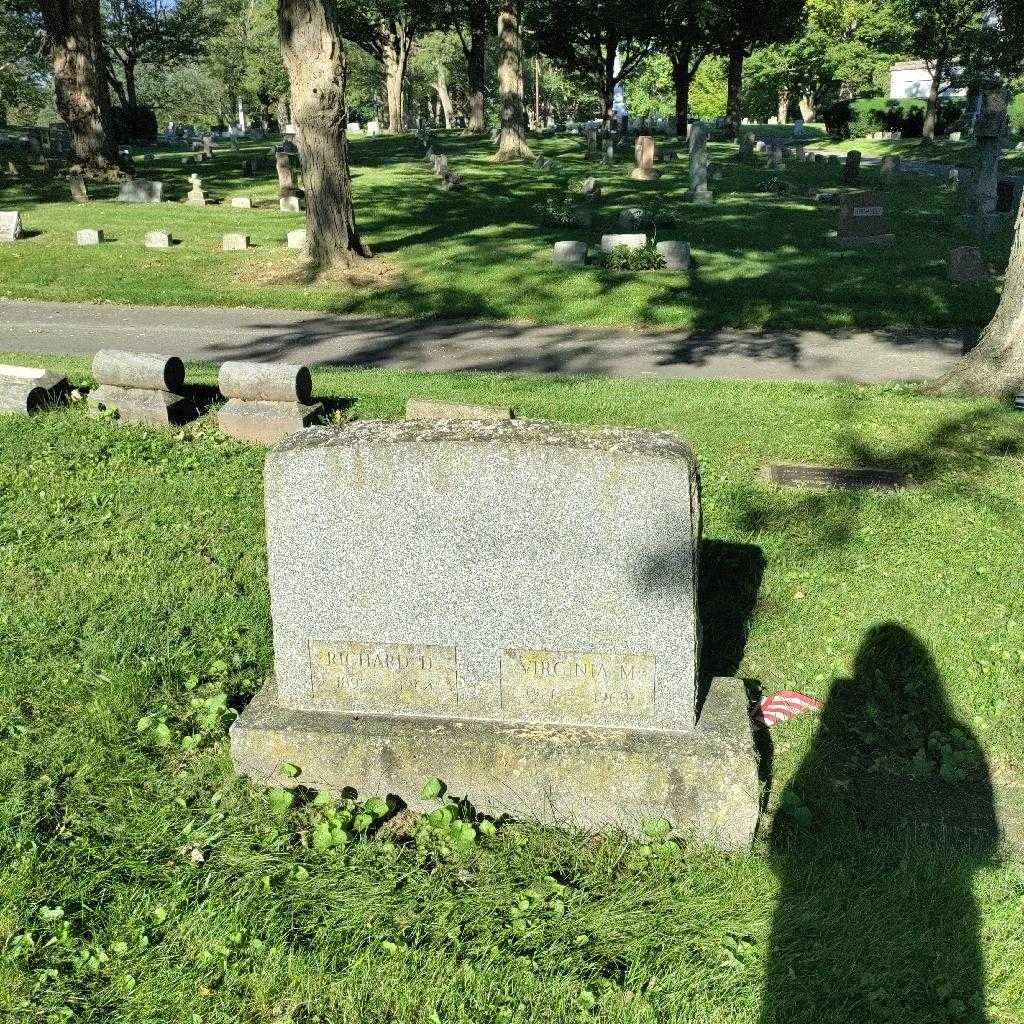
264, 422
862, 241
138, 405
705, 781
702, 197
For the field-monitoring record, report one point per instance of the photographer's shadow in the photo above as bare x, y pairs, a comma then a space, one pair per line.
876, 842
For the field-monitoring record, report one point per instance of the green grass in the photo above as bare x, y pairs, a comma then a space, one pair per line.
762, 259
941, 151
141, 881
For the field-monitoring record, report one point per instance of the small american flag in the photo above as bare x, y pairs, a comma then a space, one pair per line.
783, 705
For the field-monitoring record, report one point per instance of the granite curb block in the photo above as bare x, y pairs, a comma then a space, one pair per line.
704, 782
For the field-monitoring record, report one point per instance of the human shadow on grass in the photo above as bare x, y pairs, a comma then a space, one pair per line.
875, 844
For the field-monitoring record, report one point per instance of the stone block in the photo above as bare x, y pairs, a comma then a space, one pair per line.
141, 387
635, 240
139, 190
10, 226
241, 202
269, 382
675, 253
510, 606
863, 221
158, 240
264, 422
290, 204
570, 253
297, 239
966, 265
436, 409
632, 217
235, 241
24, 389
133, 405
89, 236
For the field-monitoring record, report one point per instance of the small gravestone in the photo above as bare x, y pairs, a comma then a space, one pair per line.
76, 182
290, 204
353, 126
196, 196
247, 169
644, 157
235, 242
828, 478
632, 217
760, 146
88, 236
1008, 196
863, 221
266, 401
158, 240
889, 171
297, 239
570, 254
141, 386
699, 192
747, 142
241, 202
966, 265
207, 147
285, 174
676, 254
508, 606
436, 409
10, 226
24, 389
591, 189
851, 169
777, 158
139, 190
373, 128
631, 240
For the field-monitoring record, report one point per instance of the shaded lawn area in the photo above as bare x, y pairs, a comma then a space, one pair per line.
762, 259
141, 881
940, 151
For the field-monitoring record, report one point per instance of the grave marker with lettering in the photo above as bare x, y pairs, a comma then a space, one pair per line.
510, 606
863, 221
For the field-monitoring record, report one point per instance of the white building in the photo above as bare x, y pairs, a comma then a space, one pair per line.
911, 79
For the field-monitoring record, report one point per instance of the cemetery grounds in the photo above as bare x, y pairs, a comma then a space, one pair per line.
142, 881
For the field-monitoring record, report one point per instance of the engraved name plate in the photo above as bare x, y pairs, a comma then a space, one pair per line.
574, 686
383, 678
868, 211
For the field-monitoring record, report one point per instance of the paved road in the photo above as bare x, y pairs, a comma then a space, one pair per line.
219, 334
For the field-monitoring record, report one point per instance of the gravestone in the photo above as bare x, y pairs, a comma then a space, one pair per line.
747, 142
1008, 196
889, 171
591, 189
285, 175
196, 196
241, 202
373, 128
631, 240
207, 147
297, 239
10, 226
570, 254
89, 236
290, 204
353, 126
235, 242
699, 192
140, 190
966, 265
508, 606
632, 217
644, 156
76, 182
266, 401
829, 478
24, 389
592, 143
248, 169
863, 221
851, 169
437, 409
676, 254
141, 386
778, 158
158, 240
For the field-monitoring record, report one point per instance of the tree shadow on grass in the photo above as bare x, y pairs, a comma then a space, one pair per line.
875, 844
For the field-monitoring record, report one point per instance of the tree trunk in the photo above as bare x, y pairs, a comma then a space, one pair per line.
314, 56
80, 76
681, 83
536, 93
131, 92
995, 366
734, 100
512, 142
783, 106
808, 107
608, 85
443, 95
394, 73
476, 67
931, 116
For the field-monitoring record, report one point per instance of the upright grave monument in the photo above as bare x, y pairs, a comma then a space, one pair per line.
509, 606
644, 155
863, 221
140, 190
699, 192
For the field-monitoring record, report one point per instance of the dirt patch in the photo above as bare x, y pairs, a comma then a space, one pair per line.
290, 268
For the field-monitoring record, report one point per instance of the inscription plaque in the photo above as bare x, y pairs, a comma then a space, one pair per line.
383, 678
868, 211
577, 686
826, 478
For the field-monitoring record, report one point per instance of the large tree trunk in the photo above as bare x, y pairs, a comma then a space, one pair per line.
476, 67
681, 84
995, 366
783, 108
808, 107
394, 73
131, 91
512, 142
443, 95
80, 76
734, 99
931, 116
314, 56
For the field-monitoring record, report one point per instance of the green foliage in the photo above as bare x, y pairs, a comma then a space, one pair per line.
558, 210
863, 117
649, 91
1016, 113
622, 257
708, 89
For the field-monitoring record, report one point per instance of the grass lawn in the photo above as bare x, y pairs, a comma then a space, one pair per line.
140, 881
762, 259
940, 151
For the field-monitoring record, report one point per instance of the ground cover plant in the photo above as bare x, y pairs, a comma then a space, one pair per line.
761, 258
141, 881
